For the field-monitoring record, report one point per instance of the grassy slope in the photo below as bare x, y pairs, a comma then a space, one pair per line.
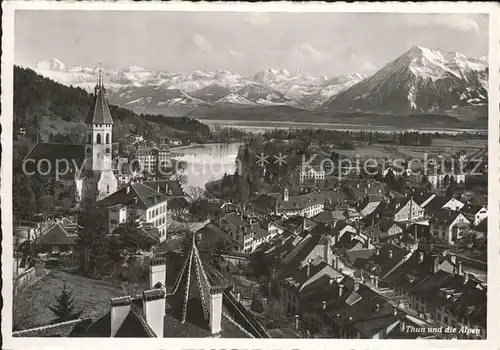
93, 295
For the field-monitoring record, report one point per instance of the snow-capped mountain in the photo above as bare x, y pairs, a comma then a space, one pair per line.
51, 65
330, 88
421, 79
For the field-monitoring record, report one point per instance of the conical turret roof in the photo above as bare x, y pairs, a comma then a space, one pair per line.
99, 111
190, 297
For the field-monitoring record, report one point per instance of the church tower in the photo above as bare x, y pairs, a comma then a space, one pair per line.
99, 180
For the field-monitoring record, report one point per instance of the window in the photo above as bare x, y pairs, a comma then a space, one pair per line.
107, 138
107, 188
99, 138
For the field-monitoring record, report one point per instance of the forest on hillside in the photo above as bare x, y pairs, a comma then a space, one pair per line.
37, 97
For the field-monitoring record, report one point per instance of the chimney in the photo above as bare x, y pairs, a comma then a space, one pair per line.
356, 286
328, 253
466, 277
459, 268
304, 223
377, 308
367, 242
157, 272
238, 296
341, 290
297, 323
376, 281
377, 251
154, 309
120, 308
395, 311
331, 281
435, 265
215, 309
390, 254
309, 263
453, 258
420, 257
127, 189
336, 262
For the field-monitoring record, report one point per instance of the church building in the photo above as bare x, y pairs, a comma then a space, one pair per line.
88, 166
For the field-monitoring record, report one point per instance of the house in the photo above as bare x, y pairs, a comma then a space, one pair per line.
405, 209
422, 196
239, 230
150, 204
330, 217
153, 160
60, 237
249, 232
452, 299
368, 204
309, 204
352, 215
311, 174
448, 226
442, 202
388, 228
474, 213
294, 282
439, 180
383, 261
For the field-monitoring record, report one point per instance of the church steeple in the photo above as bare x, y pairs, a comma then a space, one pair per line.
99, 111
101, 180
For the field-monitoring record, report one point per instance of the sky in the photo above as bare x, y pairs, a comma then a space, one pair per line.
243, 42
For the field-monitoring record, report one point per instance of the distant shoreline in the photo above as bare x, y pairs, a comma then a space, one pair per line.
272, 124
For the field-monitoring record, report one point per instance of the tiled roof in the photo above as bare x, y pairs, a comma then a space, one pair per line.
57, 235
139, 195
328, 216
412, 269
133, 326
445, 217
437, 203
420, 195
53, 152
383, 262
177, 203
451, 291
99, 111
471, 208
171, 188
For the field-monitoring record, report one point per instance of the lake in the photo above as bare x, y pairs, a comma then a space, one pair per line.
206, 163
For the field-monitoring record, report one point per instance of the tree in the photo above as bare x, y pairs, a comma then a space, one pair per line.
136, 278
23, 197
65, 308
128, 235
275, 314
257, 304
91, 239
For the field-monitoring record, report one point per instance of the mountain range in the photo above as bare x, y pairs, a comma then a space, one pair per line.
421, 80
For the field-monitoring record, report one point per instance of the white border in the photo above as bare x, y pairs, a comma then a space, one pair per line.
79, 343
